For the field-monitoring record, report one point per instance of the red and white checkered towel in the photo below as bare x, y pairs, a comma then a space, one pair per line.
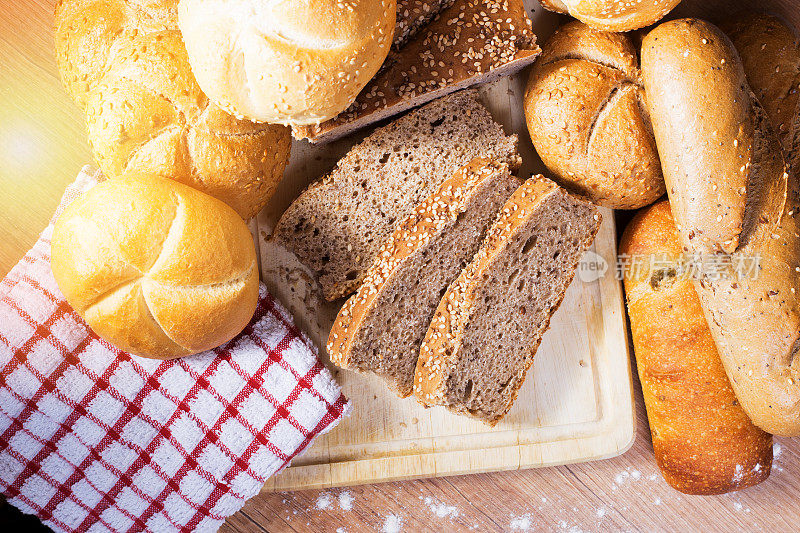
92, 438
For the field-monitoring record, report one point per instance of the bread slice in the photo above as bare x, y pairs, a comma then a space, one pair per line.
336, 226
413, 15
381, 328
473, 41
488, 326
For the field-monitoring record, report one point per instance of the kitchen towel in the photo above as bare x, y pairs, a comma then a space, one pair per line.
95, 439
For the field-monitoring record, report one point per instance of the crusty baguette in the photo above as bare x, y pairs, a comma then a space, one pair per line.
381, 327
474, 41
338, 224
488, 325
703, 441
770, 53
733, 201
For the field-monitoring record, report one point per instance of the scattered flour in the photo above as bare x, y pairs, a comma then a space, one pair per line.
393, 524
737, 505
657, 501
544, 500
601, 512
652, 477
738, 474
776, 450
441, 510
346, 501
324, 501
341, 530
520, 523
635, 474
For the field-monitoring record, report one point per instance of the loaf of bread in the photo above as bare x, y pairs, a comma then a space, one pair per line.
288, 62
584, 105
770, 53
703, 440
414, 15
474, 41
488, 325
125, 63
736, 203
336, 226
156, 268
380, 329
614, 15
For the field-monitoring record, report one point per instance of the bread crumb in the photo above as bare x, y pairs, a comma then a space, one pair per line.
393, 524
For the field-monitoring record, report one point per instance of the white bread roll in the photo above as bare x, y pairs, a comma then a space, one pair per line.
613, 15
155, 267
292, 62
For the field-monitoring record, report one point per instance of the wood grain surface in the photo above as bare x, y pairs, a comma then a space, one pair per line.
42, 147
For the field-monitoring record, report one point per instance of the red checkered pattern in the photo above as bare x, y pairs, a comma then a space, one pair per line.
95, 439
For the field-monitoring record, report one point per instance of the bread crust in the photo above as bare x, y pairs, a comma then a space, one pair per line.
733, 196
770, 53
585, 115
613, 15
471, 42
703, 440
288, 62
442, 343
175, 274
127, 67
412, 235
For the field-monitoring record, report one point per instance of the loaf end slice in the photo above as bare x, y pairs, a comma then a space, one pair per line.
336, 226
488, 326
380, 328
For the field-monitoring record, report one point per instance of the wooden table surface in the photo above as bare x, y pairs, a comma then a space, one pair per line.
42, 147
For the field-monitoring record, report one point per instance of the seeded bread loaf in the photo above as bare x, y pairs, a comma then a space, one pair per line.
770, 53
381, 327
614, 15
735, 200
488, 325
336, 226
703, 440
414, 15
584, 106
474, 41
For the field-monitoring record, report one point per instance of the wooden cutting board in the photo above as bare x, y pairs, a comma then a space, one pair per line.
576, 403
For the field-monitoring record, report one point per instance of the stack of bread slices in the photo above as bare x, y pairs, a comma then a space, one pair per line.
456, 264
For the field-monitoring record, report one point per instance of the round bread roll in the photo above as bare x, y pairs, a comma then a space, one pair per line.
587, 119
124, 62
174, 274
614, 15
286, 61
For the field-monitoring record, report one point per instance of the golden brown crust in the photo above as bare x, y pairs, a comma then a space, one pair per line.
174, 274
703, 440
470, 42
585, 114
127, 67
613, 15
288, 62
731, 190
770, 53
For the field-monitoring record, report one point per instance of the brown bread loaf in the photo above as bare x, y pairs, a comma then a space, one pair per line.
703, 440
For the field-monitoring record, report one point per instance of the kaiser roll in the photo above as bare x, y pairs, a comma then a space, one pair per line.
286, 61
587, 119
614, 15
174, 274
124, 62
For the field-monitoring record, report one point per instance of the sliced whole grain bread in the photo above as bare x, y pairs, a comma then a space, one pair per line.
471, 42
380, 328
414, 15
488, 325
336, 226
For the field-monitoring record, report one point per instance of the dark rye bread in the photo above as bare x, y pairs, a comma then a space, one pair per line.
381, 328
469, 43
413, 15
488, 326
336, 226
